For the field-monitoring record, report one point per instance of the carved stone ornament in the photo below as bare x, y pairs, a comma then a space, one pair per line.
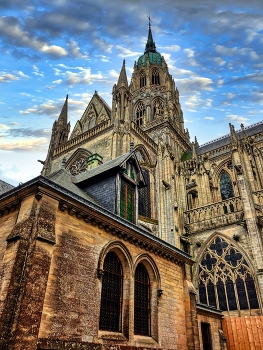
79, 166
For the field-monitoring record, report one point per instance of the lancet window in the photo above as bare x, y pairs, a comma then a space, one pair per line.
111, 294
142, 79
140, 113
155, 76
142, 301
225, 279
226, 186
158, 107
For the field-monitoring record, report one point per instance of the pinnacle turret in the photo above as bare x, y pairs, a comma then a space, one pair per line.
63, 117
123, 77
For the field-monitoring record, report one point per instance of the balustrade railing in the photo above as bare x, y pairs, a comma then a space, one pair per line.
214, 215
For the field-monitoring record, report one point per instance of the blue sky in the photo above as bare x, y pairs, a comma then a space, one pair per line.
49, 49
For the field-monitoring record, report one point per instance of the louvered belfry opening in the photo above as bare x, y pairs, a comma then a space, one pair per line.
142, 301
111, 294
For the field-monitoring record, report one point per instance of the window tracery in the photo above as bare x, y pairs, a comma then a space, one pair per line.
142, 79
79, 166
158, 107
141, 301
226, 186
140, 113
111, 294
155, 76
225, 279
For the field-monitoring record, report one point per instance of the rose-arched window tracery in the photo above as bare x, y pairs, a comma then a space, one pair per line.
142, 79
140, 113
158, 107
225, 279
79, 166
155, 76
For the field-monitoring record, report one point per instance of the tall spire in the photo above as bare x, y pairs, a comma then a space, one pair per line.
123, 77
150, 45
63, 117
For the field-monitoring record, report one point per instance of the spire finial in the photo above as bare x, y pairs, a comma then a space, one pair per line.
149, 18
150, 45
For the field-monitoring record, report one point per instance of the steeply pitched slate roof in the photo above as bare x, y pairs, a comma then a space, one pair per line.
64, 178
225, 140
103, 168
5, 187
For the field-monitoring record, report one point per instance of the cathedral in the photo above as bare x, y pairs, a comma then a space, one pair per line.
133, 237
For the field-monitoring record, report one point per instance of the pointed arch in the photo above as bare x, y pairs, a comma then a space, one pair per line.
226, 186
143, 155
158, 107
155, 76
142, 78
140, 113
224, 276
78, 161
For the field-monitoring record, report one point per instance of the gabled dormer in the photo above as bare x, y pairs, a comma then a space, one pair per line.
114, 185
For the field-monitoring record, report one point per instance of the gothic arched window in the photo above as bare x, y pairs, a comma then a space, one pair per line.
140, 113
158, 107
142, 79
142, 322
226, 186
155, 76
111, 294
225, 279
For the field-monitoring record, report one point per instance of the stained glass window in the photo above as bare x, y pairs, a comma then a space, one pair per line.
144, 206
226, 187
140, 113
111, 294
225, 279
127, 201
141, 301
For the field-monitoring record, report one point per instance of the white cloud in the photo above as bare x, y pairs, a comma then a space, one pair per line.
23, 39
75, 50
5, 127
209, 118
123, 52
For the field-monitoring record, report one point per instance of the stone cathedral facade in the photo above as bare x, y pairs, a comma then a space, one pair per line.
134, 236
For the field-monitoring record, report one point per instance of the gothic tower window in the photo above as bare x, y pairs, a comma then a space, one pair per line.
144, 205
140, 113
225, 279
226, 186
142, 79
157, 107
127, 201
111, 294
155, 76
141, 301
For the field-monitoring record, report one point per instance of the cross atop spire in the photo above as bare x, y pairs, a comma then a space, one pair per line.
150, 45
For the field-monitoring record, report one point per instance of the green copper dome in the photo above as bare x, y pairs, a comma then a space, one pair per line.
154, 58
150, 52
